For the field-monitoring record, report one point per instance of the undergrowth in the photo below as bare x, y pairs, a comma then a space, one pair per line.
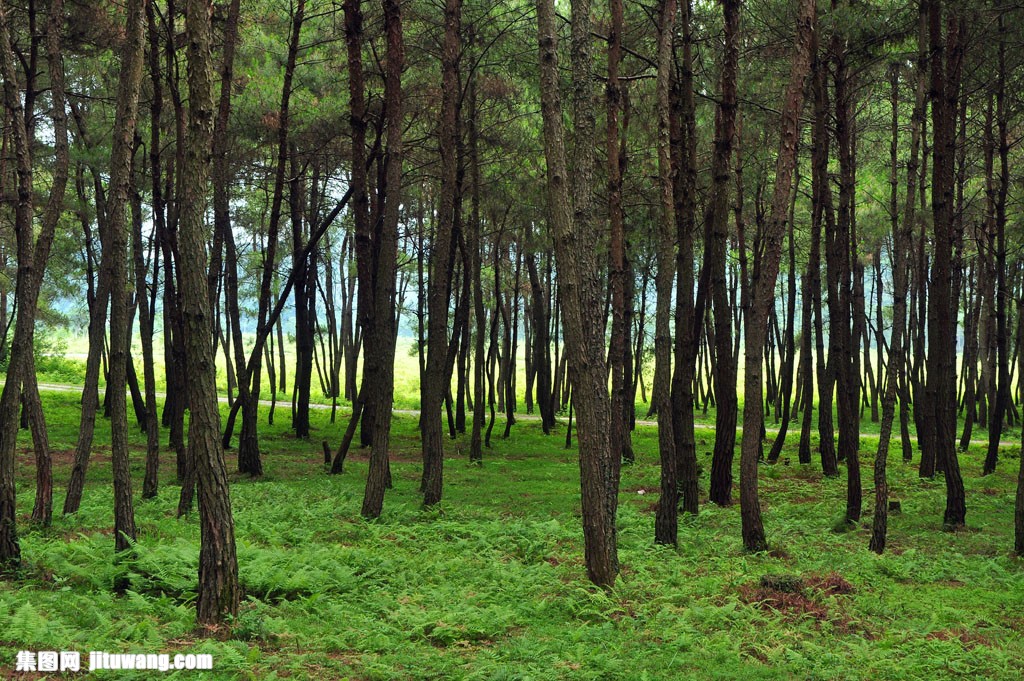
492, 585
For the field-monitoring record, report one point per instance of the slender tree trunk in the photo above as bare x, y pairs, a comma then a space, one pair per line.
667, 234
788, 361
541, 346
32, 251
995, 429
763, 285
617, 247
439, 285
810, 285
822, 212
575, 230
380, 338
152, 423
679, 475
476, 266
249, 460
946, 64
218, 565
902, 234
1018, 508
120, 230
715, 245
842, 321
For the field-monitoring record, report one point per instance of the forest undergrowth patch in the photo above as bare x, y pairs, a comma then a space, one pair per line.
492, 586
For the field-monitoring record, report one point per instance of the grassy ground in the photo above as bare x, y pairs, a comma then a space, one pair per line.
492, 585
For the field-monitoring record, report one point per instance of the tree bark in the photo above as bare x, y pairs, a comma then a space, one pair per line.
218, 564
129, 82
946, 64
715, 245
439, 284
666, 234
902, 235
575, 230
763, 285
380, 337
32, 251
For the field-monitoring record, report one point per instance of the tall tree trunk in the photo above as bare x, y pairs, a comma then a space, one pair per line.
120, 231
995, 428
218, 565
439, 284
248, 392
763, 285
946, 65
305, 296
902, 235
617, 247
90, 389
575, 230
380, 337
32, 251
715, 245
842, 315
667, 234
822, 212
679, 476
810, 291
476, 255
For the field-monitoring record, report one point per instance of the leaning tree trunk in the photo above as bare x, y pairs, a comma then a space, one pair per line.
32, 251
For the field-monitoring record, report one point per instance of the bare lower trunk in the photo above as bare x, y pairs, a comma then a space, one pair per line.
380, 338
763, 285
716, 237
42, 510
218, 565
575, 230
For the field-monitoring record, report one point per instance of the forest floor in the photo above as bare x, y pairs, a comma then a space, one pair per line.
492, 584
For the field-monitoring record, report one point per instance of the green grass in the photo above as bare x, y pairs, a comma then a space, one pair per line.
492, 585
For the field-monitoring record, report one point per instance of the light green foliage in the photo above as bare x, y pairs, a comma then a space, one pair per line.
492, 586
